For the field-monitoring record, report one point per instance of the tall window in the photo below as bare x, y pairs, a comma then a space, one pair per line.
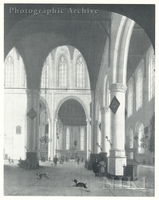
139, 89
45, 75
62, 72
151, 75
82, 138
67, 138
9, 72
130, 99
80, 73
141, 148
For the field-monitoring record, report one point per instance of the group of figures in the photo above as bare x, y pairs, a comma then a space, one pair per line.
97, 163
62, 159
10, 160
99, 167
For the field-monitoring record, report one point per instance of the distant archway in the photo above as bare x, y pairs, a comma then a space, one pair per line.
71, 130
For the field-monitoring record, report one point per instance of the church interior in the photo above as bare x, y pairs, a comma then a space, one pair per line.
78, 88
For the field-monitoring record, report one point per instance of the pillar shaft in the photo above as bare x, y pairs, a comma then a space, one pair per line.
52, 139
33, 120
103, 128
55, 138
117, 158
88, 150
96, 132
49, 135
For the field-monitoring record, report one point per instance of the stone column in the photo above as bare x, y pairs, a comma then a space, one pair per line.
107, 142
60, 141
32, 119
117, 158
88, 150
52, 139
103, 128
49, 136
33, 126
55, 138
96, 129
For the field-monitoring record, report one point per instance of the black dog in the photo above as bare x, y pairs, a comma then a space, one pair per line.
80, 184
42, 175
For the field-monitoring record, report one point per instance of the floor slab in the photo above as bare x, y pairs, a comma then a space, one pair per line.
21, 182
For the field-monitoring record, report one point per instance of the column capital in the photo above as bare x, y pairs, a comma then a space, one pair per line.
118, 87
88, 120
55, 120
49, 120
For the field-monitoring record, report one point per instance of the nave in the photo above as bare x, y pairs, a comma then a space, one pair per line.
21, 182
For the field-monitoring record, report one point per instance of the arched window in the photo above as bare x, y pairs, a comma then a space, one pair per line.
151, 75
80, 72
9, 72
141, 148
139, 89
130, 99
82, 138
14, 71
62, 71
45, 75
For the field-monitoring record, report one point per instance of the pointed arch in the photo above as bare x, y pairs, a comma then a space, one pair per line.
67, 98
121, 30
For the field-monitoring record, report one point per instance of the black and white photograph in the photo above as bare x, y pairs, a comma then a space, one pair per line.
79, 99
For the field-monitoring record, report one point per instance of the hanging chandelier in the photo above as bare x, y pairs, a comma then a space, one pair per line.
45, 139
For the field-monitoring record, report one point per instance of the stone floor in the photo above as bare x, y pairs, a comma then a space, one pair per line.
21, 182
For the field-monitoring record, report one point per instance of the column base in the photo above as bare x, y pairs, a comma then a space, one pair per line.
116, 162
32, 160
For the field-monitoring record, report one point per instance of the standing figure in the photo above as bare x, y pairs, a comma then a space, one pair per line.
102, 169
96, 167
55, 160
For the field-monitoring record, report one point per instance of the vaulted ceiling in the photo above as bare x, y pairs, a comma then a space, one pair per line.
35, 36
